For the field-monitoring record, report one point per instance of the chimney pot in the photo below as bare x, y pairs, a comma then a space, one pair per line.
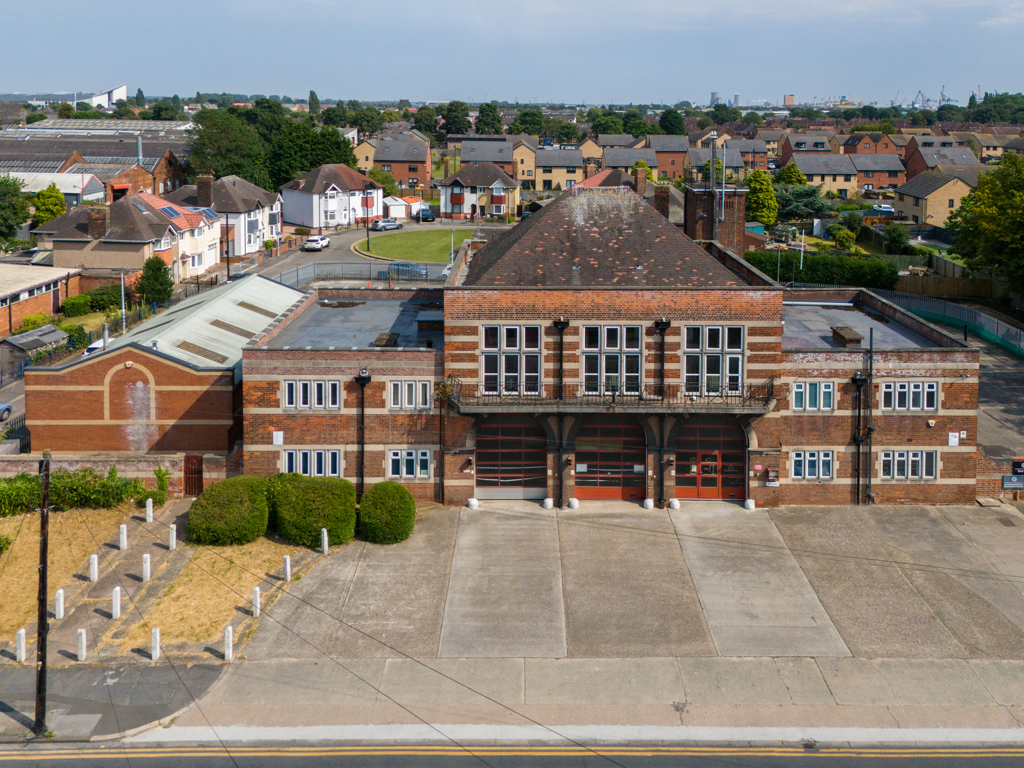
97, 225
204, 191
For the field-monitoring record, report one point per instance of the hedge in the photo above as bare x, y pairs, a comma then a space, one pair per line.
76, 306
387, 514
233, 511
304, 505
68, 490
5, 544
827, 269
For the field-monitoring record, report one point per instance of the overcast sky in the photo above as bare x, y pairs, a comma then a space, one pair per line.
572, 51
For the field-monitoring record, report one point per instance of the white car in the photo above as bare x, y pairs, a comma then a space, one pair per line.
883, 208
316, 243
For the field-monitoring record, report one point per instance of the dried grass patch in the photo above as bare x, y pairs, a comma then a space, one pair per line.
210, 590
73, 537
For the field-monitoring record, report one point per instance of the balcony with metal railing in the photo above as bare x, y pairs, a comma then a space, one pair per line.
644, 398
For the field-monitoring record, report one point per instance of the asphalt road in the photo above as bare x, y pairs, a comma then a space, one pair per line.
319, 755
15, 395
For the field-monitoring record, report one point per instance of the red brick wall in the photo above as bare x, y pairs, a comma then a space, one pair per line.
13, 315
671, 164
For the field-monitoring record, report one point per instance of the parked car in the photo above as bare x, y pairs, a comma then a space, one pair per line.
5, 411
316, 243
404, 270
425, 214
382, 225
883, 208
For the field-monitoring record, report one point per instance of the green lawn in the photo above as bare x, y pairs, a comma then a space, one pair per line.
432, 246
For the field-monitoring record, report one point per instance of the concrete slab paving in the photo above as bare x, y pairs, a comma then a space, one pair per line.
928, 681
505, 592
733, 681
855, 682
804, 681
756, 599
603, 681
1004, 680
875, 609
618, 603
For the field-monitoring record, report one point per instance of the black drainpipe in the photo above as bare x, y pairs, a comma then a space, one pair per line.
662, 326
560, 325
871, 407
859, 381
362, 380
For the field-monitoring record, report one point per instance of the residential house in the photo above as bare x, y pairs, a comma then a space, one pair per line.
929, 197
27, 289
332, 196
807, 143
704, 138
834, 174
593, 154
500, 153
881, 171
869, 143
753, 151
479, 189
251, 215
408, 161
771, 140
1016, 146
524, 158
75, 188
901, 141
921, 159
671, 154
625, 159
615, 140
364, 154
731, 160
558, 169
124, 234
991, 146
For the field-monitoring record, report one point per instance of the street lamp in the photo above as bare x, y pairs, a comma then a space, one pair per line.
451, 256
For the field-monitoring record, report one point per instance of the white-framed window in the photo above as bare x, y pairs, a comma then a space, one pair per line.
318, 463
305, 462
910, 395
909, 465
423, 464
319, 394
614, 367
410, 394
289, 394
197, 260
289, 461
511, 361
334, 463
705, 369
305, 393
813, 465
813, 396
409, 464
334, 394
424, 401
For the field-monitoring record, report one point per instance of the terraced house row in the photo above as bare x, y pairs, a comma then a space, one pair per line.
593, 351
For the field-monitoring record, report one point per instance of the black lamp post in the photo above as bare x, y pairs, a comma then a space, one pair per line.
362, 380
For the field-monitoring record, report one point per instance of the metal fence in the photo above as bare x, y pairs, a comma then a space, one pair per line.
15, 429
12, 373
395, 272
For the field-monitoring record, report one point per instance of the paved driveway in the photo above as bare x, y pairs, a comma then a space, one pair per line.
612, 580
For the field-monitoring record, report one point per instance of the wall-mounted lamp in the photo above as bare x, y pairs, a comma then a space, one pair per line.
568, 461
671, 460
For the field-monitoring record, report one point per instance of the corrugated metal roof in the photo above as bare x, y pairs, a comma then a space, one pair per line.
195, 331
67, 183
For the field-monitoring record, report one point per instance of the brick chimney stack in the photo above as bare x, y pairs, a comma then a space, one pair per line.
641, 181
661, 199
98, 221
204, 191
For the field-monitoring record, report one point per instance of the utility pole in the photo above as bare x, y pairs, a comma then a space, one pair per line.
42, 620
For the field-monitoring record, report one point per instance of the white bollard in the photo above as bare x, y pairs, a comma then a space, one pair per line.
229, 650
287, 569
149, 510
19, 646
115, 604
648, 503
256, 602
154, 644
324, 544
673, 503
58, 606
172, 540
94, 568
145, 568
748, 504
473, 504
122, 537
548, 503
81, 645
574, 503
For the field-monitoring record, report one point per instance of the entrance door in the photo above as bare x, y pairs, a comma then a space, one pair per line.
511, 458
193, 474
711, 459
611, 459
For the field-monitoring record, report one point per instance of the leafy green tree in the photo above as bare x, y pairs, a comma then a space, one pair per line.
897, 239
723, 113
488, 122
368, 120
530, 121
800, 202
331, 147
425, 120
607, 124
456, 118
333, 116
705, 122
594, 113
672, 122
684, 105
35, 118
165, 111
266, 116
49, 204
386, 180
989, 222
156, 283
791, 175
83, 106
641, 165
705, 172
140, 98
65, 110
854, 222
761, 203
636, 126
224, 145
314, 104
13, 206
752, 118
566, 132
390, 116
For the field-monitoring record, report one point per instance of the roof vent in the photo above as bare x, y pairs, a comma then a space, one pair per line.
846, 336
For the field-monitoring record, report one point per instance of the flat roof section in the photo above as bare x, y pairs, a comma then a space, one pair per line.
346, 323
809, 326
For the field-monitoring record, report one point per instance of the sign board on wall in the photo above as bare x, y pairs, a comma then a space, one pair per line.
1018, 466
1013, 482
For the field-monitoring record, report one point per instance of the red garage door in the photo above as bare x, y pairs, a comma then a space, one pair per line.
611, 459
511, 458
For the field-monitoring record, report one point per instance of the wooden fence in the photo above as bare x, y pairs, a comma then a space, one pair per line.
945, 287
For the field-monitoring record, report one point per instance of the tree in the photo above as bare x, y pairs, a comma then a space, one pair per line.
705, 173
368, 120
314, 104
897, 239
333, 116
386, 180
49, 204
566, 132
65, 110
426, 120
83, 106
456, 118
266, 116
723, 113
390, 116
13, 206
988, 223
684, 105
530, 121
752, 118
972, 144
791, 175
140, 99
800, 202
705, 122
761, 203
636, 126
165, 111
488, 122
156, 283
224, 145
606, 124
672, 122
641, 165
854, 222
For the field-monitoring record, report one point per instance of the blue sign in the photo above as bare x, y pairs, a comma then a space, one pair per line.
1013, 483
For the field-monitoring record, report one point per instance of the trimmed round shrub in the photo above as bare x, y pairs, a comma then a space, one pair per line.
304, 505
387, 514
233, 511
76, 306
